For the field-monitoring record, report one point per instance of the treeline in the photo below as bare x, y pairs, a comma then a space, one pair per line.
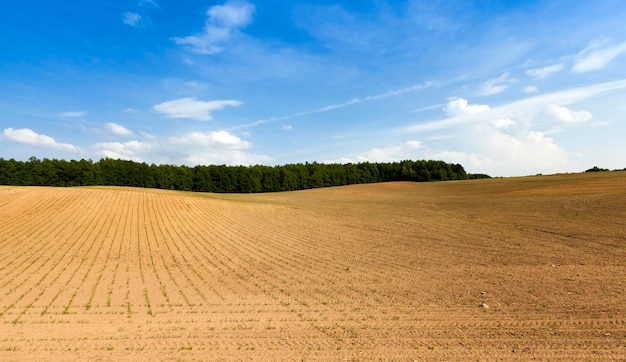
599, 169
111, 172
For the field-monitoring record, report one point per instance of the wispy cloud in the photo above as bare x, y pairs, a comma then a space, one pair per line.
223, 22
596, 57
148, 2
192, 108
531, 89
497, 85
130, 18
73, 114
29, 137
194, 84
118, 129
428, 108
351, 102
525, 108
540, 73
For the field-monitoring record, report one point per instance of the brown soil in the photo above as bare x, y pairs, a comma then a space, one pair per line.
514, 269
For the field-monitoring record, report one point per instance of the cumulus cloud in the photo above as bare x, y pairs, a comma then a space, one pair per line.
118, 129
527, 108
217, 147
461, 106
497, 85
133, 150
216, 139
73, 114
564, 114
596, 57
192, 108
515, 148
130, 18
503, 148
503, 123
540, 73
499, 148
195, 148
223, 22
511, 139
403, 151
29, 137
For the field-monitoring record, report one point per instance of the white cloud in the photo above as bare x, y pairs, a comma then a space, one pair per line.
151, 2
499, 148
73, 114
540, 73
351, 102
511, 139
503, 123
460, 106
497, 85
132, 150
194, 84
503, 148
596, 57
118, 129
223, 22
195, 148
404, 151
513, 151
531, 89
566, 115
526, 108
216, 139
130, 110
130, 18
29, 137
428, 108
233, 14
218, 147
192, 108
287, 127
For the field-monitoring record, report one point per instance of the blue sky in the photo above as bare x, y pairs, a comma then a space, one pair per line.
503, 87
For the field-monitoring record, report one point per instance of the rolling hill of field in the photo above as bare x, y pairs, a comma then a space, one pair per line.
516, 268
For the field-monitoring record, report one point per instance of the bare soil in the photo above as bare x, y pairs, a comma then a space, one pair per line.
499, 269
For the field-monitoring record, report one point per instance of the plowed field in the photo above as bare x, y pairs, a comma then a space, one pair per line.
515, 269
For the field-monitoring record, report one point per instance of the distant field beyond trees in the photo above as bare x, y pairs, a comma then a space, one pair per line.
222, 178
